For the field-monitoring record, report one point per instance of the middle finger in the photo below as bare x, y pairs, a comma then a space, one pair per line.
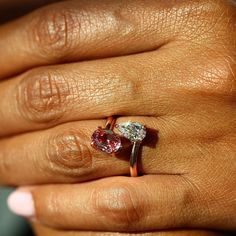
49, 96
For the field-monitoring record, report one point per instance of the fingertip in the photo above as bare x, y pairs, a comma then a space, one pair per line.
21, 203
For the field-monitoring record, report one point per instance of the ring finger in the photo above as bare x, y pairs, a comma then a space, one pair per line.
120, 204
64, 154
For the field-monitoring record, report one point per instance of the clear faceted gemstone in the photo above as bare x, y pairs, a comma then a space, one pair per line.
133, 131
106, 140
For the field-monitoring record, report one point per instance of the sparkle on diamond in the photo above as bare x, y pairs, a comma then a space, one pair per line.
133, 131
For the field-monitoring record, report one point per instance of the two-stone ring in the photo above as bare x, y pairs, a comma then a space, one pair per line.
106, 140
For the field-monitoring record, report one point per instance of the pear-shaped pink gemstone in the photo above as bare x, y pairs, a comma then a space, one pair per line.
106, 141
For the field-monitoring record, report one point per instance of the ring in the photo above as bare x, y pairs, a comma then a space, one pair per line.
135, 132
105, 140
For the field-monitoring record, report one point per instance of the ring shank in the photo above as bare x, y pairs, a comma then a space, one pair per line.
110, 123
134, 159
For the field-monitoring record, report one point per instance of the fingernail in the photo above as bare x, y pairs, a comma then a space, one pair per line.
21, 203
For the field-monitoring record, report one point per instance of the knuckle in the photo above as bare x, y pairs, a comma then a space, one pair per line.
43, 96
120, 88
68, 154
123, 21
120, 204
53, 30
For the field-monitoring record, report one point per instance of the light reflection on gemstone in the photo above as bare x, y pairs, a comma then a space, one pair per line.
133, 131
106, 141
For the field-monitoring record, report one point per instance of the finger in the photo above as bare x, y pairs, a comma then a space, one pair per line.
122, 204
79, 30
64, 155
45, 231
48, 96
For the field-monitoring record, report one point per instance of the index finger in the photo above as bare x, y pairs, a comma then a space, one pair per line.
81, 30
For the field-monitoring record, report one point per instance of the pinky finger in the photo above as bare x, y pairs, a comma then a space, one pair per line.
120, 204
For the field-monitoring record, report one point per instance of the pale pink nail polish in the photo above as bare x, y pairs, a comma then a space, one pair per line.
21, 203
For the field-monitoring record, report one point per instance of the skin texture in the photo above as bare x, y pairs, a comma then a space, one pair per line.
171, 67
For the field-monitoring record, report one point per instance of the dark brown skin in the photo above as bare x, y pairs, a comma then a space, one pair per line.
168, 64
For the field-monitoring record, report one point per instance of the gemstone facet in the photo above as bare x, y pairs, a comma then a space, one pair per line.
133, 131
106, 141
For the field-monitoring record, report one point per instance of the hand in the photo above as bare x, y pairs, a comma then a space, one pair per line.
178, 77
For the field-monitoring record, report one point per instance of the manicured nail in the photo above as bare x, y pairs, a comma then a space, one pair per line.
21, 203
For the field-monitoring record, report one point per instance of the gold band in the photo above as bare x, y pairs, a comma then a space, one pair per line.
110, 123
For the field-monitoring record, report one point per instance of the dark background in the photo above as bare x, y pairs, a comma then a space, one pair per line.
11, 225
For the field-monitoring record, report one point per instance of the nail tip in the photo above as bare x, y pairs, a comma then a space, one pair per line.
21, 203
